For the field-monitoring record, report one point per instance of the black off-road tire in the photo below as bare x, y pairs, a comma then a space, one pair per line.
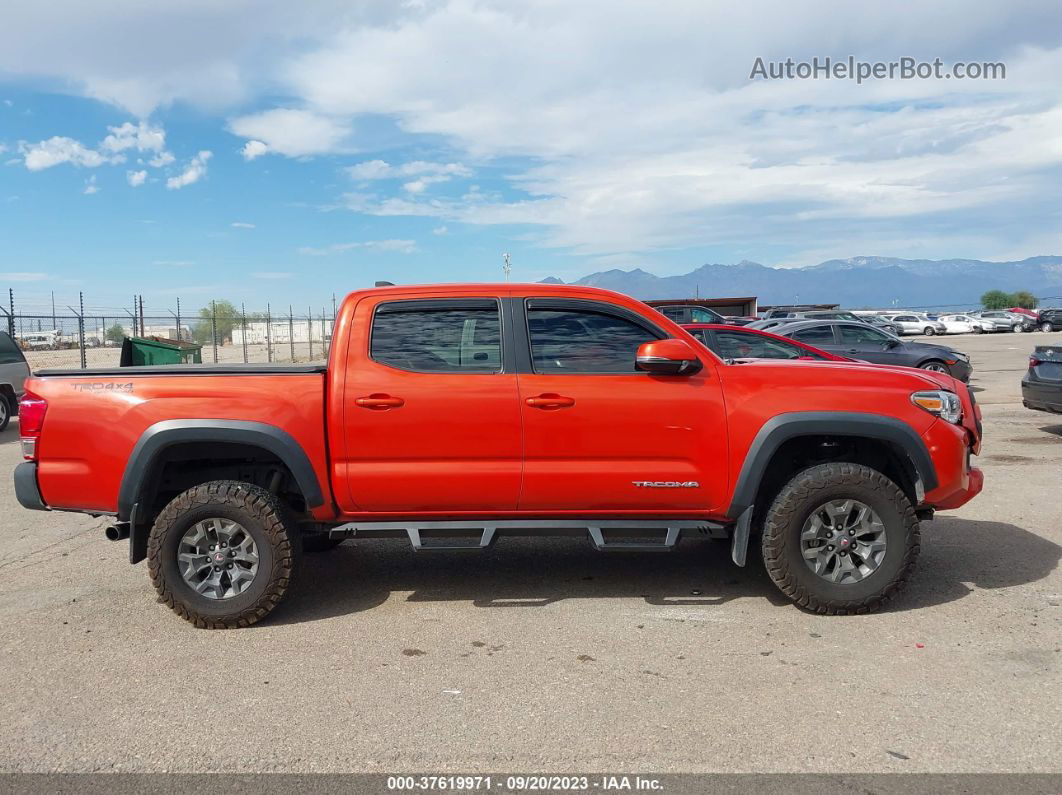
794, 504
264, 518
5, 411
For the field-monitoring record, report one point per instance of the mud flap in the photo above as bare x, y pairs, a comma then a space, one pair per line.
739, 543
138, 537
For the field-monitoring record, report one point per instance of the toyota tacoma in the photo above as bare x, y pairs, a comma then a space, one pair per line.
454, 415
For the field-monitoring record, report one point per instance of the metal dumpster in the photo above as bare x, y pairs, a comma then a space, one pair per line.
159, 350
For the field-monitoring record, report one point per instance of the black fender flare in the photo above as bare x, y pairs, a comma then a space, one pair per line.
778, 430
165, 434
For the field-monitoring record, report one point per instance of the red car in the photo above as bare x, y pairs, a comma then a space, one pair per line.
737, 342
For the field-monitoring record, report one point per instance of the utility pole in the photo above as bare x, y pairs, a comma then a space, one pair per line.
53, 309
507, 265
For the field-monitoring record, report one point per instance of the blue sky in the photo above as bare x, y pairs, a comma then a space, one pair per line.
282, 152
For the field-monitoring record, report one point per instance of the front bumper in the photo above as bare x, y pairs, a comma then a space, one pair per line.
958, 481
1042, 397
26, 490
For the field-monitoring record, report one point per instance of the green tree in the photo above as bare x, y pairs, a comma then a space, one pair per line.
115, 333
227, 316
997, 299
1025, 299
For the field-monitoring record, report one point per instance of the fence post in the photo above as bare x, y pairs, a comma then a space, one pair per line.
179, 337
269, 334
243, 327
143, 331
309, 330
11, 313
291, 333
81, 329
214, 328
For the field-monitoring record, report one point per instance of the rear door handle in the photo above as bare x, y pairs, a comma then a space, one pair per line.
379, 402
550, 400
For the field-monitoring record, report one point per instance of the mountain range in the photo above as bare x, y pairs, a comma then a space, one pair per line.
857, 282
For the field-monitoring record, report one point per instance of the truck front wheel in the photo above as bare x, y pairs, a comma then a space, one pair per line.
223, 554
840, 538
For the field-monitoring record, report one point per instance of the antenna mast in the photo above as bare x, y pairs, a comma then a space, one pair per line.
507, 265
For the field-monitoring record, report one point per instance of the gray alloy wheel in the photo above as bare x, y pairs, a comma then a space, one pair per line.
936, 367
5, 412
930, 331
217, 558
843, 541
1018, 328
1046, 327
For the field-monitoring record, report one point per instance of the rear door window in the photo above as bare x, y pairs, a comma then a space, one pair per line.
460, 336
816, 335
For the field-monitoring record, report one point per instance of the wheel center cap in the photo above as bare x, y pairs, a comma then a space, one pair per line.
219, 557
845, 543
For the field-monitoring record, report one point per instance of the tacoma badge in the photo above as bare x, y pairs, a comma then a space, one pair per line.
666, 484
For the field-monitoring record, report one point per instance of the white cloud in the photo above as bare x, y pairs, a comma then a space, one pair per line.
24, 276
618, 139
272, 275
253, 149
59, 149
440, 230
162, 159
90, 186
291, 132
241, 225
400, 246
427, 172
141, 136
195, 171
136, 178
173, 263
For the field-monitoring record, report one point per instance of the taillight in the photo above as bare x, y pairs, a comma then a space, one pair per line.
1033, 361
31, 410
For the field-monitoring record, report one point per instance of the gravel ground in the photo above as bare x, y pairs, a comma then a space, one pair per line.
545, 656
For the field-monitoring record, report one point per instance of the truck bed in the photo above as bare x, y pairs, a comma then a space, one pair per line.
189, 369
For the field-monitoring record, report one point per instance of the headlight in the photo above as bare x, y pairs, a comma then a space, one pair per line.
945, 405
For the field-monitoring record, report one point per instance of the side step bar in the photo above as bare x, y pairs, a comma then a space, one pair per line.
604, 535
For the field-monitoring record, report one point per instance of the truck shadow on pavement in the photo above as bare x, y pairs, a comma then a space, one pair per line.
958, 557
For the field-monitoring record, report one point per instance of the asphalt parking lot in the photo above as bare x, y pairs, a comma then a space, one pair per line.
546, 656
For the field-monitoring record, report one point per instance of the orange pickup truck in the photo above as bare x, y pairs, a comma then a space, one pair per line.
453, 415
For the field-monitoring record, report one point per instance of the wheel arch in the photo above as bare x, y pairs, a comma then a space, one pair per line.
897, 435
154, 448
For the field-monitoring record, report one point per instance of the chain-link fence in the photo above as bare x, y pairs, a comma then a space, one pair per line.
75, 337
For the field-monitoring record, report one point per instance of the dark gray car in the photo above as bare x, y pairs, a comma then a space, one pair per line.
861, 341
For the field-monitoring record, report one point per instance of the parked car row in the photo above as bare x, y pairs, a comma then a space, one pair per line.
833, 340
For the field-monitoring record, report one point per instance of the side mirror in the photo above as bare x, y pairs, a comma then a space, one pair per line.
892, 344
668, 357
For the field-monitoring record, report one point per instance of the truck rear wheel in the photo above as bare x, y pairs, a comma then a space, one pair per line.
840, 538
223, 554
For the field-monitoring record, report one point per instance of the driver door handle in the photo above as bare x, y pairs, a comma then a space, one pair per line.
550, 400
379, 402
